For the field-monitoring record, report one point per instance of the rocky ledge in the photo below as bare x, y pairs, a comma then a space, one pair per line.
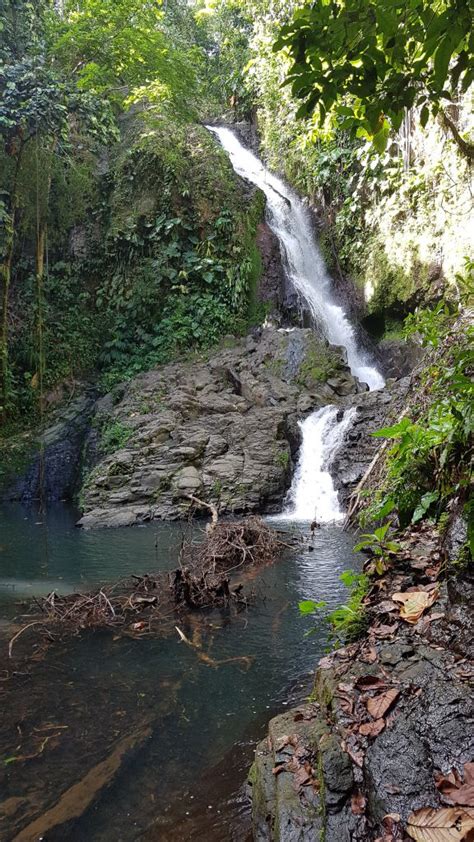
388, 731
222, 428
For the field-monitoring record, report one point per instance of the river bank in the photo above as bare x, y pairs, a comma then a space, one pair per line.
389, 719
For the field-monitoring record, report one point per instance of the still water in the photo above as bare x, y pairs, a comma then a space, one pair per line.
193, 726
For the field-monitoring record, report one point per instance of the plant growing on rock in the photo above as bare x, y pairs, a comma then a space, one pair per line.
379, 546
347, 621
115, 437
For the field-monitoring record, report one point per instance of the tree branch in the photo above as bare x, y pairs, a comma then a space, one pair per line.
466, 148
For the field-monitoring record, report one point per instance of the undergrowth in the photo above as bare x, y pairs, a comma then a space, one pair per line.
347, 621
428, 464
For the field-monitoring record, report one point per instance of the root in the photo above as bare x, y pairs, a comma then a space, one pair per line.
17, 635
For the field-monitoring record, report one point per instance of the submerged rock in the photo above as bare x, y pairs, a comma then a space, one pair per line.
222, 428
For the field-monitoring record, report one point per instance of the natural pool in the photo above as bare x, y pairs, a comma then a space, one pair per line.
192, 727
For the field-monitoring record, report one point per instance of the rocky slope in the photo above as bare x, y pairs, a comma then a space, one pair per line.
390, 718
221, 428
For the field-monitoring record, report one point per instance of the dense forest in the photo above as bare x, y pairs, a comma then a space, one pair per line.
237, 279
123, 240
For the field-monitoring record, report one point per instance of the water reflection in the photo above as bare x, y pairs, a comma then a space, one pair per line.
184, 781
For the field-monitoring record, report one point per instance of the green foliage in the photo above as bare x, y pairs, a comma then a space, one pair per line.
38, 101
429, 325
379, 546
365, 63
180, 268
429, 461
318, 365
114, 437
224, 27
347, 622
163, 256
71, 333
465, 283
283, 458
121, 48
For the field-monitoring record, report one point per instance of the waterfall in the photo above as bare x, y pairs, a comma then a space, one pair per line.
290, 220
312, 494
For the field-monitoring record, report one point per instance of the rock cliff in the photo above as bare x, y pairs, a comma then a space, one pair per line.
222, 428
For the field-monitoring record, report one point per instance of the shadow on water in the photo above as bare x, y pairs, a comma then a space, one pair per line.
189, 729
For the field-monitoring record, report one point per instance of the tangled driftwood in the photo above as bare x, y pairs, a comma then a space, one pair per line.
140, 605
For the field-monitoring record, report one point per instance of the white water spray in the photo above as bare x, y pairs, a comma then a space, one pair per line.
289, 219
312, 493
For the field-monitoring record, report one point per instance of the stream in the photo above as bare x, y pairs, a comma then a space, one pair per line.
186, 779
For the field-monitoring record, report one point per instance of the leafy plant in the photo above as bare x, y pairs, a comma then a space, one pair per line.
346, 621
114, 437
430, 325
283, 458
378, 544
428, 463
367, 63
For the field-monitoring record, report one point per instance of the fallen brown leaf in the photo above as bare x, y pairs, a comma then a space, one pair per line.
379, 705
459, 792
450, 824
282, 742
383, 631
357, 757
372, 729
414, 603
280, 767
386, 606
369, 656
293, 764
345, 688
301, 777
346, 703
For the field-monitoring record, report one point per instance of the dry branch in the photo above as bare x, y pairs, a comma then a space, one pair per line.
143, 605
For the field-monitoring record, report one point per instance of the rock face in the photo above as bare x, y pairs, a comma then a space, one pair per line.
55, 460
222, 429
317, 776
374, 411
398, 358
274, 289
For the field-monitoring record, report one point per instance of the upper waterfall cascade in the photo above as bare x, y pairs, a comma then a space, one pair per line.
290, 220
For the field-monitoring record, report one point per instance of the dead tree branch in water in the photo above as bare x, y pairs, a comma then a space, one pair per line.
148, 604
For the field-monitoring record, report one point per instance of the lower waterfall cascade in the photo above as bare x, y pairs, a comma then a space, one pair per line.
312, 493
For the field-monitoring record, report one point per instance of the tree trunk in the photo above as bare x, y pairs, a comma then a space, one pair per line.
5, 279
464, 146
41, 239
40, 252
